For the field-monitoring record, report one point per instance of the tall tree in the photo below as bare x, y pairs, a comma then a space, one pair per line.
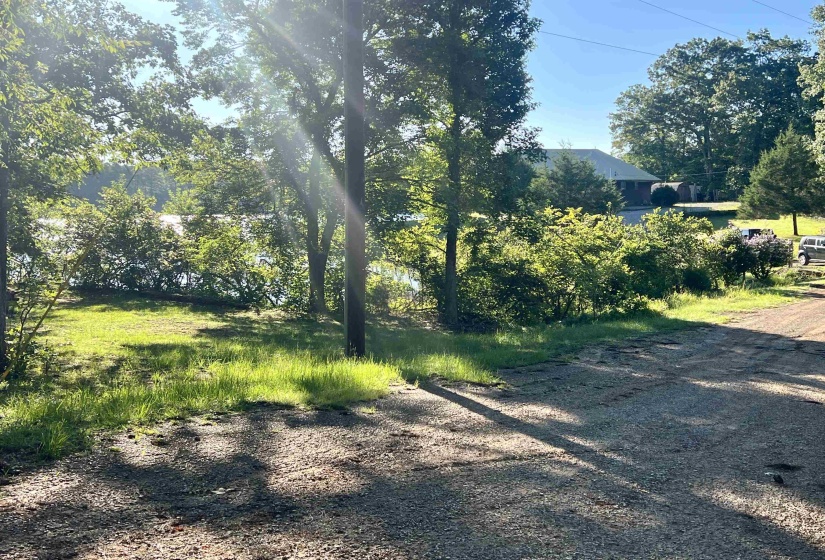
785, 181
813, 79
712, 107
67, 73
279, 62
469, 59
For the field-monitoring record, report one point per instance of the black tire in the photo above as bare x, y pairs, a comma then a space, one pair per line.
803, 259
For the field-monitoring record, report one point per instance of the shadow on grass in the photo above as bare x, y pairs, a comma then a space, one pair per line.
220, 359
638, 474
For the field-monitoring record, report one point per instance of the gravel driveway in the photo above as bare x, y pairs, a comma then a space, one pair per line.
653, 448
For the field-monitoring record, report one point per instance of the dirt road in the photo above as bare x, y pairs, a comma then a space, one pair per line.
654, 448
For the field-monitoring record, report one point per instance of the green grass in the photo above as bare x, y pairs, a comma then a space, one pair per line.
783, 227
131, 361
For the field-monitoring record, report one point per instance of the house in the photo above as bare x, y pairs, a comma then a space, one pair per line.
687, 192
634, 184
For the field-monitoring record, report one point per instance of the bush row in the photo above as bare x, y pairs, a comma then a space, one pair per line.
542, 267
557, 265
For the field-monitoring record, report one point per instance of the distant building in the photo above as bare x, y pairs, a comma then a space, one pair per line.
687, 192
634, 184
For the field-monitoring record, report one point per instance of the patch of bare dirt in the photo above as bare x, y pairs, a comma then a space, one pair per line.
663, 447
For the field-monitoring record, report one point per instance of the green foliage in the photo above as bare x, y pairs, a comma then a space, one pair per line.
785, 181
131, 361
561, 265
246, 261
225, 264
69, 100
130, 248
769, 252
734, 257
667, 246
713, 107
35, 271
664, 197
466, 63
286, 156
573, 183
387, 292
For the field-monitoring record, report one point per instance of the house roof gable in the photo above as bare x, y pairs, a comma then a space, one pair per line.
611, 167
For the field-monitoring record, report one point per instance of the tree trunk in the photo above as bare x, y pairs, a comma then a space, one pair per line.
317, 261
453, 153
452, 226
5, 187
708, 156
355, 260
795, 229
316, 257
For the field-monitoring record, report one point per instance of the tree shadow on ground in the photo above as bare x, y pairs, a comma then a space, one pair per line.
656, 448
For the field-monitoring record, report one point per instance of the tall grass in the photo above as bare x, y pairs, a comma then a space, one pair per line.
53, 421
128, 361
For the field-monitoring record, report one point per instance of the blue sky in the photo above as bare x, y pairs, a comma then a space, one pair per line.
576, 84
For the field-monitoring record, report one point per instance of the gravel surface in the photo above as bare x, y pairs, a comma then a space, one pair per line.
662, 447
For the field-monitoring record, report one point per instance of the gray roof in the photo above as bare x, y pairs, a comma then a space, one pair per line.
609, 166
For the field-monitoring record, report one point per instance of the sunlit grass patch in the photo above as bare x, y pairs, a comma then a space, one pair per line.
448, 367
53, 422
128, 361
783, 226
720, 308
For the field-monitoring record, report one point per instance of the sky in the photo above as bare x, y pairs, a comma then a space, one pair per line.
576, 84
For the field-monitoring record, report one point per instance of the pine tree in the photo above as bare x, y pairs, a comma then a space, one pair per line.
785, 181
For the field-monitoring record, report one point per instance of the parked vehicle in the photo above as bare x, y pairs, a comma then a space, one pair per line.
750, 233
811, 248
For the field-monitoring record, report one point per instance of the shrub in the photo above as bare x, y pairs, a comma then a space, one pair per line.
669, 244
130, 248
225, 263
387, 292
733, 256
697, 280
769, 252
664, 197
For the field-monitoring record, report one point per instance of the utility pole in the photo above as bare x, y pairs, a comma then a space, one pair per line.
5, 188
354, 179
4, 247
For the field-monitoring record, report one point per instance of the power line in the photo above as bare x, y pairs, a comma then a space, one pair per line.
689, 19
785, 13
598, 43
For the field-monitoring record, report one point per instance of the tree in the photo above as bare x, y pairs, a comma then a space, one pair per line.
468, 60
280, 63
67, 96
785, 181
813, 79
664, 197
574, 183
713, 107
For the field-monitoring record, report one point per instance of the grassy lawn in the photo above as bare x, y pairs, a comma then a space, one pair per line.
783, 227
131, 361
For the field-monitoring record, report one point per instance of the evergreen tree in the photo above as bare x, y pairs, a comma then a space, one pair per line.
785, 181
574, 183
